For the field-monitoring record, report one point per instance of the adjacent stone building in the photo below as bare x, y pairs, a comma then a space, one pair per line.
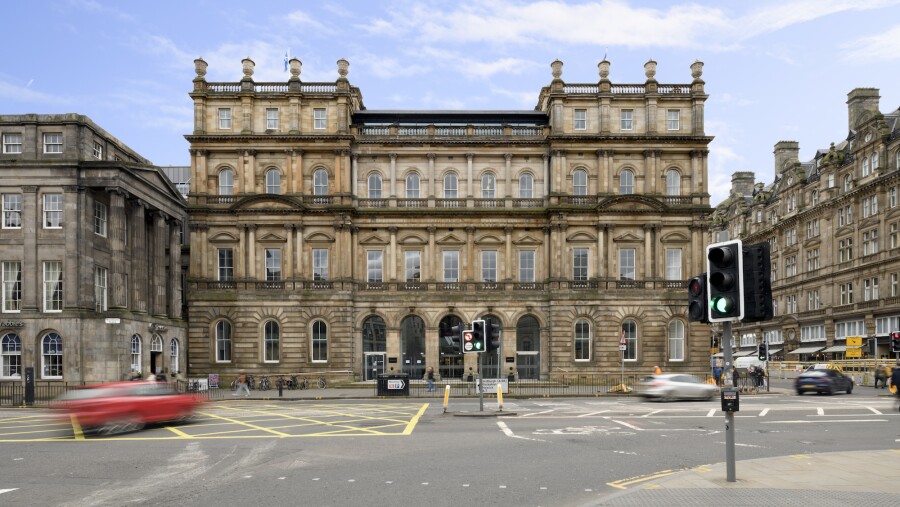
90, 254
833, 225
329, 237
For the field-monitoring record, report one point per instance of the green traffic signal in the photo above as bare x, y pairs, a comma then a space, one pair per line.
722, 305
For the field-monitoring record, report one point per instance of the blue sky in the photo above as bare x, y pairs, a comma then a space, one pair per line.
774, 70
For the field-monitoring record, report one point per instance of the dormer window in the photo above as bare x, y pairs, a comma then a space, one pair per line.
868, 136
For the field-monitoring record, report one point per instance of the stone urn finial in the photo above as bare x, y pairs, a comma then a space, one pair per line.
248, 66
697, 69
603, 67
200, 67
343, 66
650, 70
295, 64
556, 68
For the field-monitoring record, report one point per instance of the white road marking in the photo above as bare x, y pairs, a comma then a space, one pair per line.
627, 425
538, 413
826, 421
711, 412
764, 412
508, 432
874, 410
593, 413
745, 445
7, 490
820, 411
648, 414
502, 486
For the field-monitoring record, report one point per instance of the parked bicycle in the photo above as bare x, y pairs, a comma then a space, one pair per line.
322, 383
264, 384
304, 383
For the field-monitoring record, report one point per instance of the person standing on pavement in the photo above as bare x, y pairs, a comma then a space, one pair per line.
881, 376
429, 376
242, 385
895, 383
717, 374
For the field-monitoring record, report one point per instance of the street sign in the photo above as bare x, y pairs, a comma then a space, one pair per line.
854, 341
490, 385
113, 320
395, 384
622, 347
854, 352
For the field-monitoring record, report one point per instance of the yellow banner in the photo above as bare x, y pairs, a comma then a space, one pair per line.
854, 352
854, 341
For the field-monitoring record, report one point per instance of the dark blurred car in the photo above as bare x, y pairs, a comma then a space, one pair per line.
122, 407
677, 386
823, 381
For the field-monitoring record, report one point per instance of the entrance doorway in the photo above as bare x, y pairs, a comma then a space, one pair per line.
374, 365
528, 365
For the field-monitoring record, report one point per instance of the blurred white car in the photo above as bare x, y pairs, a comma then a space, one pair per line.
677, 386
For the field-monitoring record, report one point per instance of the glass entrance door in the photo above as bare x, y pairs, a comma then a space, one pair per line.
528, 364
374, 365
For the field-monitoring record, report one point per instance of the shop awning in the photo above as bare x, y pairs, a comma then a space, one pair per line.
805, 350
742, 353
774, 351
836, 348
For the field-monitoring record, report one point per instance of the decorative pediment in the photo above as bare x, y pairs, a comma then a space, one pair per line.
320, 237
631, 203
489, 239
412, 239
581, 237
627, 238
527, 240
271, 238
267, 202
675, 237
451, 239
224, 237
373, 239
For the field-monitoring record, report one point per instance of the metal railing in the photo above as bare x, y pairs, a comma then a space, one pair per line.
12, 393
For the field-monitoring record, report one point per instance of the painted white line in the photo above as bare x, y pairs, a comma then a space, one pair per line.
7, 490
745, 445
711, 412
874, 410
508, 432
820, 411
648, 414
593, 413
817, 422
538, 413
627, 425
764, 412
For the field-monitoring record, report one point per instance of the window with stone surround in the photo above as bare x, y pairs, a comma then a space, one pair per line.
53, 143
12, 143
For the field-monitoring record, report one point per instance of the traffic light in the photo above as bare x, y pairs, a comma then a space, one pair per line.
757, 283
491, 335
473, 339
763, 353
895, 341
698, 305
725, 272
455, 337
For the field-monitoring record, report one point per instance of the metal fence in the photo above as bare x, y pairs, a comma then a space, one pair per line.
12, 394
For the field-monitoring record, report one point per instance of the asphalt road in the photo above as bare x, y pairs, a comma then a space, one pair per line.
553, 452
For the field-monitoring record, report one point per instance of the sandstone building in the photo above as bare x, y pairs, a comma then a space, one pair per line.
328, 237
89, 239
833, 225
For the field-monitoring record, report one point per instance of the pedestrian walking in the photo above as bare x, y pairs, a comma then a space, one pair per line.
895, 383
430, 377
242, 385
881, 376
760, 376
717, 374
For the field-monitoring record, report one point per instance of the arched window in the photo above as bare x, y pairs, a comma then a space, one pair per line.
374, 334
156, 344
874, 162
673, 182
579, 182
51, 356
273, 181
412, 346
526, 186
582, 340
320, 182
136, 353
626, 182
814, 197
226, 181
865, 166
629, 332
271, 342
488, 186
451, 355
11, 352
223, 341
451, 190
173, 357
848, 182
412, 186
374, 186
676, 340
319, 342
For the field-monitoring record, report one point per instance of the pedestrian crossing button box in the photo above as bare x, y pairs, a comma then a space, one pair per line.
730, 400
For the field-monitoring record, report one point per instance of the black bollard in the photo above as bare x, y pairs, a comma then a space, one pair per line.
280, 388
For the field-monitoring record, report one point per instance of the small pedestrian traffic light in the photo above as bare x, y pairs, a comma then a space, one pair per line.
763, 353
895, 341
725, 272
698, 305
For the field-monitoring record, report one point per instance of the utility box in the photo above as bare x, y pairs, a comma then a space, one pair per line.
730, 400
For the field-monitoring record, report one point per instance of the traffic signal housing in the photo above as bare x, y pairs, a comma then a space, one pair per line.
725, 273
763, 353
455, 337
895, 341
473, 339
491, 335
698, 304
757, 283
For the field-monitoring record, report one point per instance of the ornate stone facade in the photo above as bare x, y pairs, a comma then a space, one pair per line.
325, 236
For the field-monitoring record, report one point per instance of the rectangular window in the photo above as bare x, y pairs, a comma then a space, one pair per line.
53, 286
98, 151
489, 266
100, 289
812, 259
225, 118
413, 266
319, 119
12, 286
12, 143
100, 218
52, 211
812, 229
627, 119
846, 290
895, 235
845, 250
451, 266
580, 119
580, 264
320, 264
870, 242
271, 118
226, 264
273, 264
373, 267
892, 193
53, 143
673, 264
812, 300
790, 266
582, 340
673, 119
895, 285
626, 264
815, 333
849, 328
526, 266
12, 211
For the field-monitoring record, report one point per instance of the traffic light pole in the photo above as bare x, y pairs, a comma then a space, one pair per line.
480, 385
729, 416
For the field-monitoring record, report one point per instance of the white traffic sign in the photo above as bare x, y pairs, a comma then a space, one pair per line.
622, 347
490, 385
395, 384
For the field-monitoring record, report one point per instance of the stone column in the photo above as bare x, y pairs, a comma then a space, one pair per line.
289, 270
561, 172
251, 252
431, 172
561, 258
298, 170
75, 211
117, 246
139, 267
289, 171
470, 158
506, 190
174, 286
650, 183
199, 172
648, 252
204, 251
430, 255
354, 247
601, 243
250, 186
158, 264
32, 221
393, 175
611, 253
508, 262
546, 185
392, 255
339, 179
470, 253
354, 174
301, 258
548, 250
601, 172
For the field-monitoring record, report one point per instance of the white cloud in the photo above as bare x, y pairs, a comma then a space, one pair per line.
25, 94
526, 100
301, 19
472, 68
876, 48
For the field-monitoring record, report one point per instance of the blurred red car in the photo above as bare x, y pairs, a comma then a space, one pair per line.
122, 407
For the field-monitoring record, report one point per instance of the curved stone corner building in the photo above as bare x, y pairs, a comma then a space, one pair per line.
329, 237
